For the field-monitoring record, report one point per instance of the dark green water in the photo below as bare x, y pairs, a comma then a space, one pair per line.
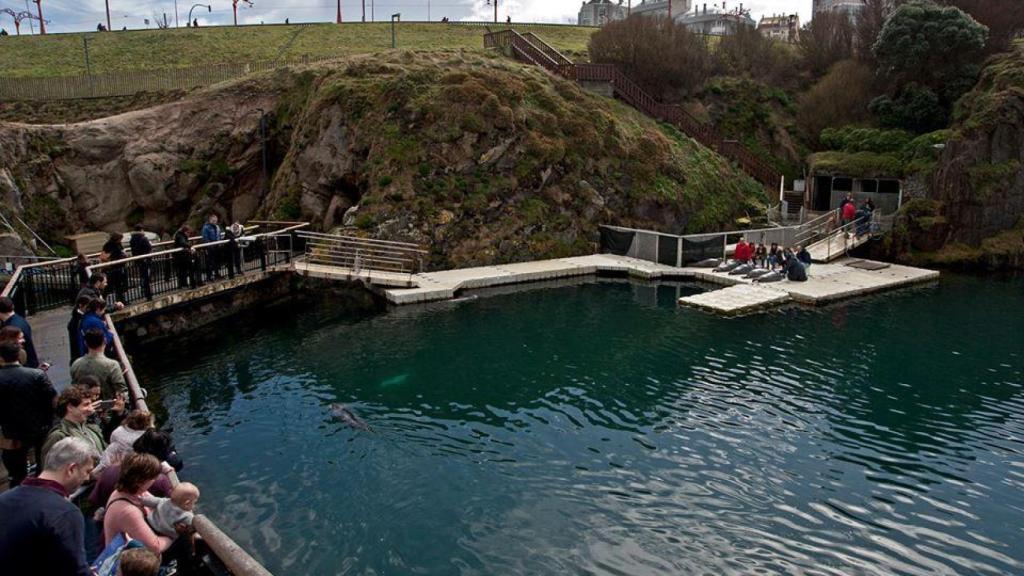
597, 429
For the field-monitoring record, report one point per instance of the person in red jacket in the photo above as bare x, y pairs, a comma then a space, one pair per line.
848, 212
742, 252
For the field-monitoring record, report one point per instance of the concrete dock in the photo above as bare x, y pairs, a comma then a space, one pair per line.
826, 282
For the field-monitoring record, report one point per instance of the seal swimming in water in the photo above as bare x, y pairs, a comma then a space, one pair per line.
348, 417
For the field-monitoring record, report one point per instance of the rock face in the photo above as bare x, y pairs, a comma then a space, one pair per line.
974, 213
478, 157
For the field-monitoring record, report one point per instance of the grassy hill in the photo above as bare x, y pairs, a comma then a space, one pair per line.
62, 54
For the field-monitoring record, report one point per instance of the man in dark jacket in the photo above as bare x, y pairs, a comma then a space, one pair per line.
40, 531
795, 269
183, 259
26, 411
804, 257
8, 317
141, 246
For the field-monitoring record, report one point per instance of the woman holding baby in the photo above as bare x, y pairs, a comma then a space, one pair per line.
154, 522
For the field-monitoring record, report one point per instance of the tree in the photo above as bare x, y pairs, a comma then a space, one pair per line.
930, 55
748, 53
841, 97
824, 41
1004, 19
870, 21
659, 54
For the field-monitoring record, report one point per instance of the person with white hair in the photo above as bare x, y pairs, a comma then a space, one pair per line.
41, 532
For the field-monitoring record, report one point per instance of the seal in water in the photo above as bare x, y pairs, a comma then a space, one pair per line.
348, 417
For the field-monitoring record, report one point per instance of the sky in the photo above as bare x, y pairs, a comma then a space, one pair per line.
82, 15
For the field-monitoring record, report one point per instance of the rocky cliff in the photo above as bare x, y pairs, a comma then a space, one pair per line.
480, 158
974, 213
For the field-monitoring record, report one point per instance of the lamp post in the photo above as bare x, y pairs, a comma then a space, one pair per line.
394, 17
495, 9
107, 2
194, 6
339, 11
234, 8
42, 23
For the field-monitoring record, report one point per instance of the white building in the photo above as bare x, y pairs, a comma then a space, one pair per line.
601, 12
781, 27
851, 8
712, 19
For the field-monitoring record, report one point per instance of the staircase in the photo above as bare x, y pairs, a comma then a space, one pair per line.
530, 48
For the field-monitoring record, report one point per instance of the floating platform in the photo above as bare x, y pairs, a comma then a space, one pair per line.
826, 282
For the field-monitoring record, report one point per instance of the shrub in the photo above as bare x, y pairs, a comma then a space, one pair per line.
660, 55
914, 107
857, 139
841, 97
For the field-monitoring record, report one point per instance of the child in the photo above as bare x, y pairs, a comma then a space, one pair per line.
122, 438
168, 512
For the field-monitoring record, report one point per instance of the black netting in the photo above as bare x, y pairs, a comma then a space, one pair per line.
697, 250
668, 249
616, 242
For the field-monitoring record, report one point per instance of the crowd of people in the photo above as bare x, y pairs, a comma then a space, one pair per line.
212, 263
102, 496
793, 262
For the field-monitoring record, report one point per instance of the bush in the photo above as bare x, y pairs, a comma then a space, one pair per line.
838, 99
914, 107
660, 55
749, 53
857, 139
1003, 18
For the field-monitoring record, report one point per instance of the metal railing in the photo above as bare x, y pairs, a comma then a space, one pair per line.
530, 48
141, 278
234, 557
55, 283
359, 254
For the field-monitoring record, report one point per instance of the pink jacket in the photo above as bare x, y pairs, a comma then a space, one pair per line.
130, 517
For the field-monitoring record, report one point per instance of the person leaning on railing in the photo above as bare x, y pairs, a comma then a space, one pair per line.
183, 258
75, 406
41, 532
93, 318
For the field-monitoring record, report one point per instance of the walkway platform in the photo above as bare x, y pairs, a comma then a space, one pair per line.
826, 282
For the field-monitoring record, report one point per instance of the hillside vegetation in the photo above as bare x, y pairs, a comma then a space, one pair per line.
483, 159
62, 54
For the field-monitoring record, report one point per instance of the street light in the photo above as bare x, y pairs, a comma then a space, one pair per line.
234, 8
194, 6
394, 17
42, 23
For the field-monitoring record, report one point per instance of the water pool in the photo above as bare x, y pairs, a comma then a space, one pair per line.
598, 429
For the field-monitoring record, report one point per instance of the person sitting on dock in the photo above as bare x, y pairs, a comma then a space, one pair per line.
795, 270
107, 370
26, 411
8, 317
761, 256
75, 406
774, 256
743, 253
804, 257
41, 532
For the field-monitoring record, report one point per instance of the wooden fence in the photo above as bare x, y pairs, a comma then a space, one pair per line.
128, 82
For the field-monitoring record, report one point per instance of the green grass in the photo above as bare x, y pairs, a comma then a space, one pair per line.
62, 54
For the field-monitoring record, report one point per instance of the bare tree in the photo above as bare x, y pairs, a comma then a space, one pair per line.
824, 41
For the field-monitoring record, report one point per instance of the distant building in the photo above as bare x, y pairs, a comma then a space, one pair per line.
713, 19
852, 8
661, 8
781, 27
601, 12
716, 21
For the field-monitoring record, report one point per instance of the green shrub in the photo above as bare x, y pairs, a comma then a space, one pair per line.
857, 139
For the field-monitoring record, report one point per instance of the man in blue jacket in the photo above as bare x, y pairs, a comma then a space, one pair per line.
40, 531
8, 317
211, 233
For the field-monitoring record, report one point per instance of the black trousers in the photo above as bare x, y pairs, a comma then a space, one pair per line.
16, 461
